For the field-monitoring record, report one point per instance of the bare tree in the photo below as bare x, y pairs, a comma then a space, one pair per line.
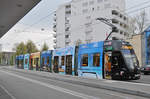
132, 26
141, 22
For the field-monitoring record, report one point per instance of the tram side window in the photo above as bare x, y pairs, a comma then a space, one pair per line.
84, 60
34, 61
43, 59
37, 61
62, 60
17, 62
21, 62
47, 59
96, 59
26, 61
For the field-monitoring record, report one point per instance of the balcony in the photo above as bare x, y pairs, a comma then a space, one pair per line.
67, 33
67, 25
67, 29
54, 35
68, 9
55, 18
68, 13
67, 40
54, 23
123, 19
54, 29
55, 40
54, 46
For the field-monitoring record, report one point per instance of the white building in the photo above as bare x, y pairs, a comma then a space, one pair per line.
0, 47
75, 22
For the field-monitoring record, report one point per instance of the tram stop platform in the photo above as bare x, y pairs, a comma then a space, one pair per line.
138, 89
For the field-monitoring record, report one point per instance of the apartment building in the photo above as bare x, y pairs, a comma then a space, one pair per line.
75, 22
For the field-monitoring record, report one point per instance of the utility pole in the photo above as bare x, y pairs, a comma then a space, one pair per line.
107, 22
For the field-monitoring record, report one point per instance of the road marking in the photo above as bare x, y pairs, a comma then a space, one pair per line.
80, 95
12, 97
124, 97
110, 81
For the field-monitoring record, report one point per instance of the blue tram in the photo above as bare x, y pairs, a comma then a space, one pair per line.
26, 61
63, 60
90, 60
46, 61
114, 59
19, 61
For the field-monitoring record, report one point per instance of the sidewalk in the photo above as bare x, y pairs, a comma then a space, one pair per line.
137, 89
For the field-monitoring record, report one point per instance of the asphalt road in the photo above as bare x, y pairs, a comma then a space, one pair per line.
144, 79
19, 85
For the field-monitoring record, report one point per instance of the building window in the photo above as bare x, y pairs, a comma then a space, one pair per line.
92, 9
121, 15
121, 24
62, 60
96, 59
84, 60
114, 12
67, 43
121, 32
115, 21
68, 6
125, 26
88, 17
91, 2
98, 8
107, 5
125, 34
99, 1
68, 12
67, 29
85, 4
125, 18
66, 36
85, 10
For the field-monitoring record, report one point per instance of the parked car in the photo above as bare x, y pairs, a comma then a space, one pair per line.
145, 69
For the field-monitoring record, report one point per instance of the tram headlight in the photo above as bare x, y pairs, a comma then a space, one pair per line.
121, 73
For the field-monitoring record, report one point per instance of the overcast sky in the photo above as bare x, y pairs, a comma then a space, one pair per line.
41, 31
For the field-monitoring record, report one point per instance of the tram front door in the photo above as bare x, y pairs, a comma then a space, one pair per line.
56, 64
107, 65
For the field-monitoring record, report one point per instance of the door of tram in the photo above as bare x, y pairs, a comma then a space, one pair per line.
37, 63
31, 65
107, 65
56, 64
69, 64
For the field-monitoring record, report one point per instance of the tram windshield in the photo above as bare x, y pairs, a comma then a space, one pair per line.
130, 58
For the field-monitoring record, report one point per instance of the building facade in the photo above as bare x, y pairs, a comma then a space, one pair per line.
7, 58
75, 22
141, 45
0, 47
137, 42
